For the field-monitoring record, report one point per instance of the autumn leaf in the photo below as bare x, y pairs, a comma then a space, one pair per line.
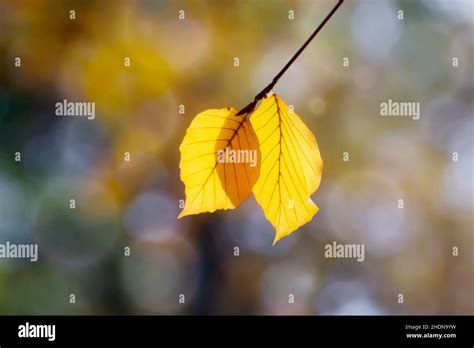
291, 166
289, 163
211, 184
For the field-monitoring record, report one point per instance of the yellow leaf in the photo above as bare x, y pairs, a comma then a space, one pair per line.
291, 166
212, 182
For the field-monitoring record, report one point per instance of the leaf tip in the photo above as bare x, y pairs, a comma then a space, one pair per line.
275, 240
182, 214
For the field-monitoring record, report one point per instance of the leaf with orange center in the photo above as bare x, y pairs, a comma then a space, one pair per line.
212, 181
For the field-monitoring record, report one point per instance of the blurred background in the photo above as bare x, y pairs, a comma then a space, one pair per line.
134, 204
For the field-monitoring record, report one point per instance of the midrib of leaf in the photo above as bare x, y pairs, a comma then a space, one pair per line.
229, 142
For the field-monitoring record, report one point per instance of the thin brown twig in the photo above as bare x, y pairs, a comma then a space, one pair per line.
250, 107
